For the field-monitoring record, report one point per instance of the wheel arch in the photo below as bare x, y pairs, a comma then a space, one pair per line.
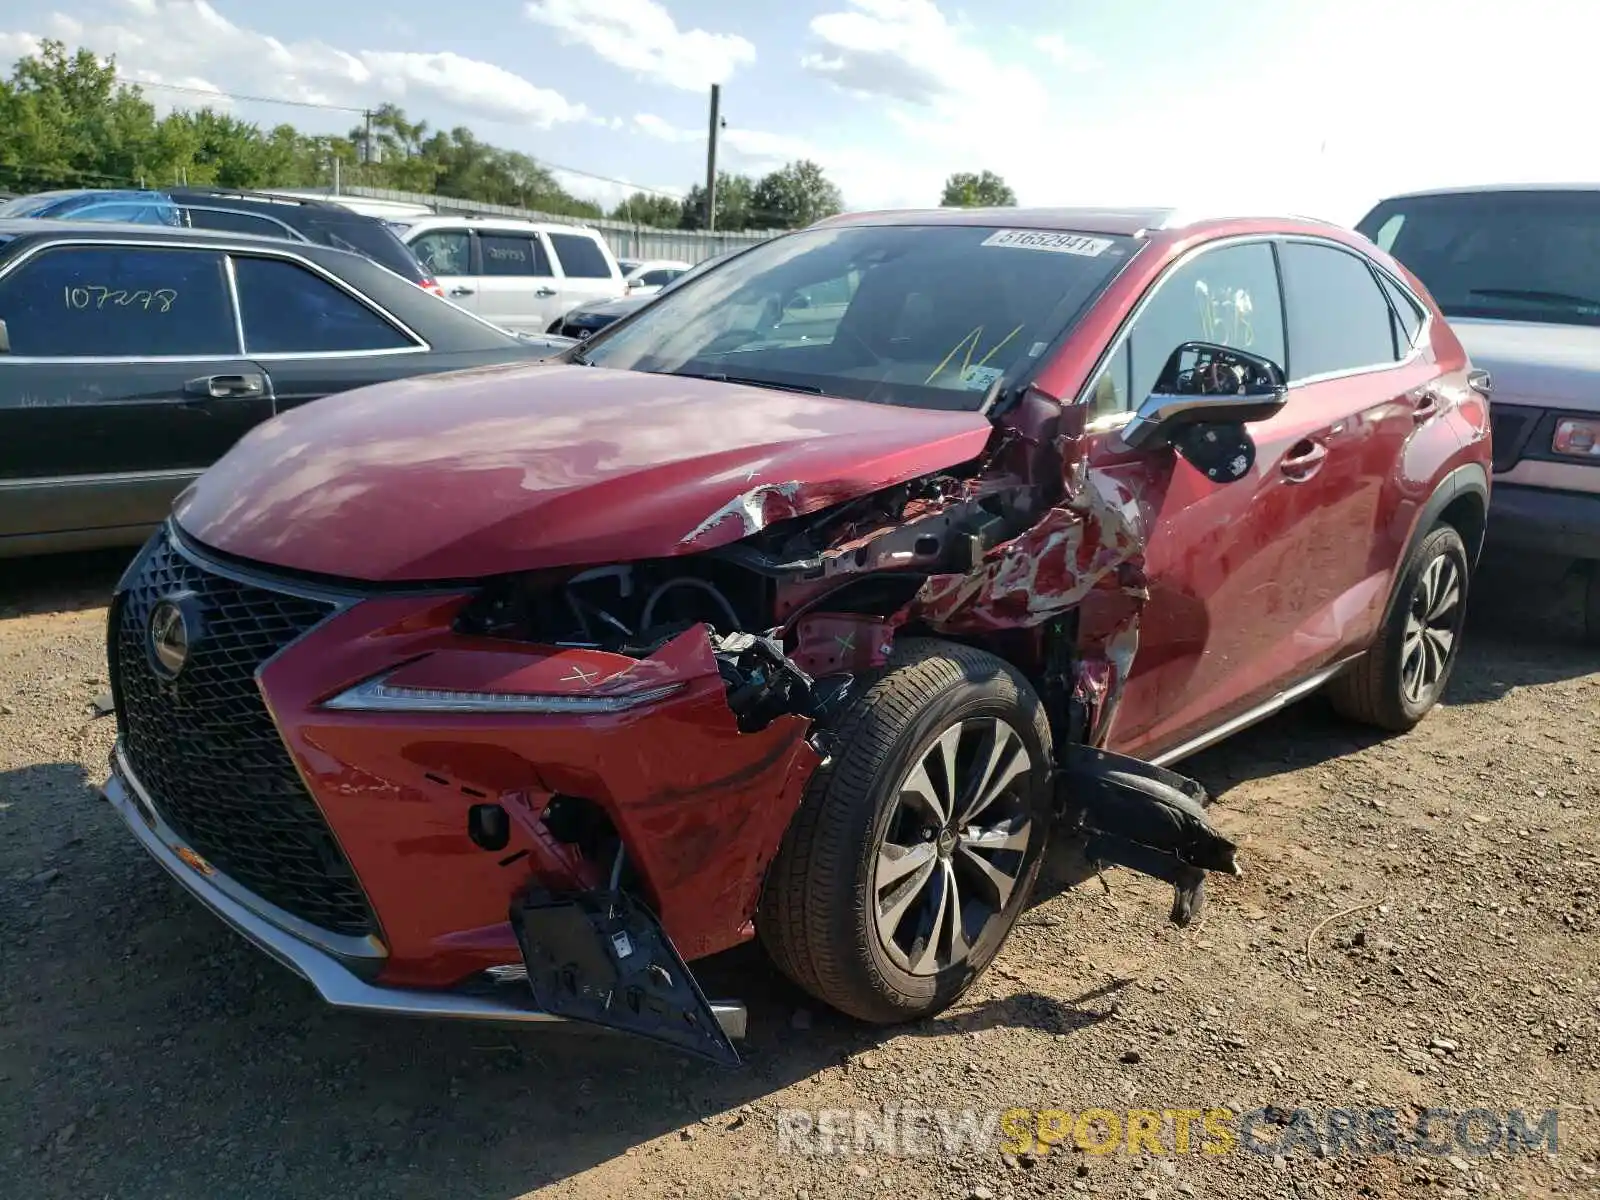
1461, 500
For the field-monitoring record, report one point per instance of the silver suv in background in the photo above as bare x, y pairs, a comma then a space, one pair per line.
1517, 271
520, 275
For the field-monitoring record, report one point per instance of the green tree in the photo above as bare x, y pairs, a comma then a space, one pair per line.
794, 196
66, 121
983, 190
649, 208
735, 197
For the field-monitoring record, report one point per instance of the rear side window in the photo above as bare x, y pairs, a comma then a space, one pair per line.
1339, 319
512, 254
658, 278
1407, 316
119, 302
444, 252
581, 256
234, 222
287, 309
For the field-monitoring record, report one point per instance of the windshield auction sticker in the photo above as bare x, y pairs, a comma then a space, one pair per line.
1055, 243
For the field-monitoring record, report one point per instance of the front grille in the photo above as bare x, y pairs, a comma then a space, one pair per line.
1510, 428
206, 750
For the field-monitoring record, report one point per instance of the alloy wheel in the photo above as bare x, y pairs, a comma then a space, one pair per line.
1433, 625
955, 846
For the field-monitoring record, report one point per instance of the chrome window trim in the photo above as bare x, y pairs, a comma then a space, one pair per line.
1117, 420
420, 345
233, 298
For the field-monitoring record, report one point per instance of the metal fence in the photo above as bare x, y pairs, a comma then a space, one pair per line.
627, 240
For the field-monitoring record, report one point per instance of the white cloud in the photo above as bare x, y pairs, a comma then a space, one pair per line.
901, 49
660, 127
188, 43
1064, 54
641, 36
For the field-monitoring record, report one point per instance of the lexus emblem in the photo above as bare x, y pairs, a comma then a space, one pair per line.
170, 638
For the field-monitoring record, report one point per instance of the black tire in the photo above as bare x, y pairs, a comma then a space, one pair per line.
1375, 689
819, 917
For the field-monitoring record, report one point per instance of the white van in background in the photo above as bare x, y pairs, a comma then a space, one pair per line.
520, 275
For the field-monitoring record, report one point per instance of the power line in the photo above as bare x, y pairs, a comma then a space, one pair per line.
194, 91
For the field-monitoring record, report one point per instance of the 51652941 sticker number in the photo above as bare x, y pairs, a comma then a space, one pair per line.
1049, 241
94, 296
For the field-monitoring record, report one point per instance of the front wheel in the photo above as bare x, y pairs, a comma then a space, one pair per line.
1401, 677
917, 846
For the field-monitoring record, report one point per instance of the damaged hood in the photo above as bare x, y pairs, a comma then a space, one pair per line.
524, 466
1539, 363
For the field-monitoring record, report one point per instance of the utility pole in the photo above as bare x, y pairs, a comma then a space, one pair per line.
711, 158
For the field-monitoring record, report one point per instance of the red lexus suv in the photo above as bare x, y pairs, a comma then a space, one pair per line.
801, 604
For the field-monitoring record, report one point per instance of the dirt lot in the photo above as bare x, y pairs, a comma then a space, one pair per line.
146, 1051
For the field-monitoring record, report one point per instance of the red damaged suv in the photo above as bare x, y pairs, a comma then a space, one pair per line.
802, 604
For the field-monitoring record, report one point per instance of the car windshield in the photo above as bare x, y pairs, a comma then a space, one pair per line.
924, 316
1517, 256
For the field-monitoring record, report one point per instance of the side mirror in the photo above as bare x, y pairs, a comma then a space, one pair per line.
798, 300
1206, 384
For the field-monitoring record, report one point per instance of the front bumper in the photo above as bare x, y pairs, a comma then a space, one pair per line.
337, 967
1545, 521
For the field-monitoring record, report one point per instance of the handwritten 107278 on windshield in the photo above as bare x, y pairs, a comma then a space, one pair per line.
94, 296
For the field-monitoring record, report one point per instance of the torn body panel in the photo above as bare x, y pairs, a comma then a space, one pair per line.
1152, 820
699, 805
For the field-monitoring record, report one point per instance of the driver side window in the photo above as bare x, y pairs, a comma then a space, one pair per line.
1228, 296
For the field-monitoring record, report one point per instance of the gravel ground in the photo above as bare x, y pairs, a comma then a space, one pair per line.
146, 1051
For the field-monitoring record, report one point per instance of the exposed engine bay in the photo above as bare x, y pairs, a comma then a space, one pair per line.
998, 554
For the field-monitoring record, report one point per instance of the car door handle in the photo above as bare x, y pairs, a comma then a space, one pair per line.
222, 387
545, 291
458, 290
1304, 460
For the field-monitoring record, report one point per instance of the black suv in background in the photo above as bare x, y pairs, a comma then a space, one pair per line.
132, 357
227, 210
300, 219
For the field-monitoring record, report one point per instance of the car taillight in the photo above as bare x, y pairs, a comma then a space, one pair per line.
430, 284
1577, 437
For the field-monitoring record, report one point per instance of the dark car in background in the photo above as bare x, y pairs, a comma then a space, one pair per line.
1517, 271
134, 356
298, 219
140, 207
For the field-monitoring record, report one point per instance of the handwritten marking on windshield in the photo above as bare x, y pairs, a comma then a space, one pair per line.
95, 296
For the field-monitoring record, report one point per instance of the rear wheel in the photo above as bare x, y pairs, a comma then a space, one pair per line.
917, 846
1399, 680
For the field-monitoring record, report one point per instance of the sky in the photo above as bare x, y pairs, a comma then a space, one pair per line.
1315, 107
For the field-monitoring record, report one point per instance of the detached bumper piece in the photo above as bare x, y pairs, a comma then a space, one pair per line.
340, 967
602, 958
1148, 819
